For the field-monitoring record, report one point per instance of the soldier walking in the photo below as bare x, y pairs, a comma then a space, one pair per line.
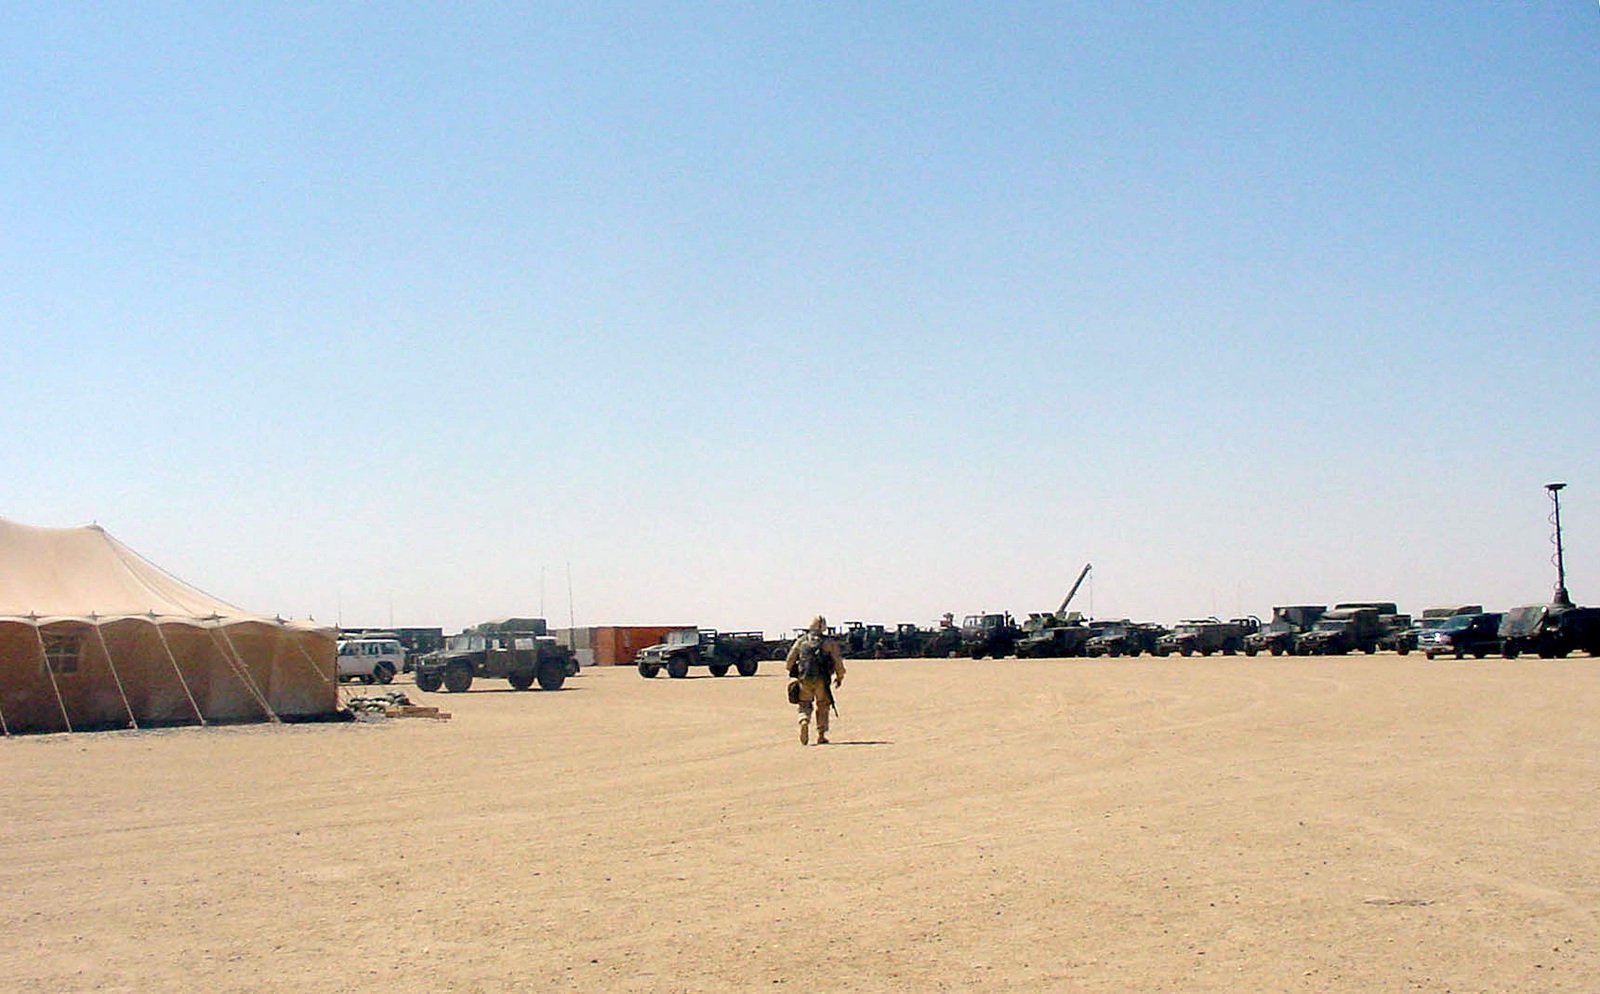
813, 660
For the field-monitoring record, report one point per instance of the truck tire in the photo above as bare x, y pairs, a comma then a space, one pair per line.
520, 679
677, 667
648, 670
552, 674
718, 669
384, 673
429, 680
457, 679
748, 667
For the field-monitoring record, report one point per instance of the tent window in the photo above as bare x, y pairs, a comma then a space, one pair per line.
61, 652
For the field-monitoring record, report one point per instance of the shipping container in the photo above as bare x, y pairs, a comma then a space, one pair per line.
612, 645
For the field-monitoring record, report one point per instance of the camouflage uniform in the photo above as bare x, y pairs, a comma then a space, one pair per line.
815, 694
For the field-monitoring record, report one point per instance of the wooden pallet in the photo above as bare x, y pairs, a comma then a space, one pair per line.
415, 711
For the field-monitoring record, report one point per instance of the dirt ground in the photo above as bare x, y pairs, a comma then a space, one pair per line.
1364, 824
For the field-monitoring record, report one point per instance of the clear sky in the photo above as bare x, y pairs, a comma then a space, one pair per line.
741, 312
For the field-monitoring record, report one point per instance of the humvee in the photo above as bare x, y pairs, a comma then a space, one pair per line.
1123, 638
1207, 635
520, 651
717, 651
1281, 635
1344, 630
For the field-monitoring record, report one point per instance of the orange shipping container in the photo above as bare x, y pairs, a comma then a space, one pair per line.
619, 645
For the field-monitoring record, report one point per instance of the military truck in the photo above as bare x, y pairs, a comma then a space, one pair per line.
1396, 635
863, 641
1207, 635
518, 650
993, 635
1281, 635
1046, 635
942, 641
1344, 630
1461, 635
1123, 638
1550, 630
717, 651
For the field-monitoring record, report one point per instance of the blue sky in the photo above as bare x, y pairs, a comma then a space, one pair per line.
743, 312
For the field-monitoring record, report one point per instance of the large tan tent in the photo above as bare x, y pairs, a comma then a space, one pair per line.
92, 635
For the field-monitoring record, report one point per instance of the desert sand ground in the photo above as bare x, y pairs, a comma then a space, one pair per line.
1363, 824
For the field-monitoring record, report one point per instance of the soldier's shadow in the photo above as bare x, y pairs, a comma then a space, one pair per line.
860, 742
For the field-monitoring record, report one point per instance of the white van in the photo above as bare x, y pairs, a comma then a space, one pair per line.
371, 659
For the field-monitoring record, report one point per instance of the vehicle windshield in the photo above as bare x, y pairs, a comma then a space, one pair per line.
465, 643
684, 636
1457, 623
1522, 620
1332, 625
1113, 632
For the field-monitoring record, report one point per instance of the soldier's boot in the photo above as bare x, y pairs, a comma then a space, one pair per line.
805, 731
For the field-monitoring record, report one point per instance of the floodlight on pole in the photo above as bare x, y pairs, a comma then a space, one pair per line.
1562, 598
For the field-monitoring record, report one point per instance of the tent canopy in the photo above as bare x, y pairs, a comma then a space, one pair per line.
94, 635
84, 572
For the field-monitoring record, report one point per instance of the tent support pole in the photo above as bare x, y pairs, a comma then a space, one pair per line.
116, 676
3, 726
311, 662
174, 660
44, 657
231, 655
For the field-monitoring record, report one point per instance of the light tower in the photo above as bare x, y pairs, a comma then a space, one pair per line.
1554, 489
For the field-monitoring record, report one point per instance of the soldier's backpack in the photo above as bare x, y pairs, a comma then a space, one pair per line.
813, 663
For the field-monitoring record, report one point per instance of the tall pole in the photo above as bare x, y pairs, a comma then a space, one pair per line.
1562, 597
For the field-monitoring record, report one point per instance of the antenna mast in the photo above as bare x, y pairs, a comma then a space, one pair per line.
1562, 598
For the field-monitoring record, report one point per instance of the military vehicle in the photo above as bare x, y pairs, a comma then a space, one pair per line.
906, 641
1207, 635
1555, 629
1052, 636
1462, 635
518, 650
943, 641
993, 635
1344, 630
717, 651
862, 641
1122, 638
1055, 634
1550, 630
1281, 635
1396, 634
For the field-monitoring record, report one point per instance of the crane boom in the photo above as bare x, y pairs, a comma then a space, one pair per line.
1074, 591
